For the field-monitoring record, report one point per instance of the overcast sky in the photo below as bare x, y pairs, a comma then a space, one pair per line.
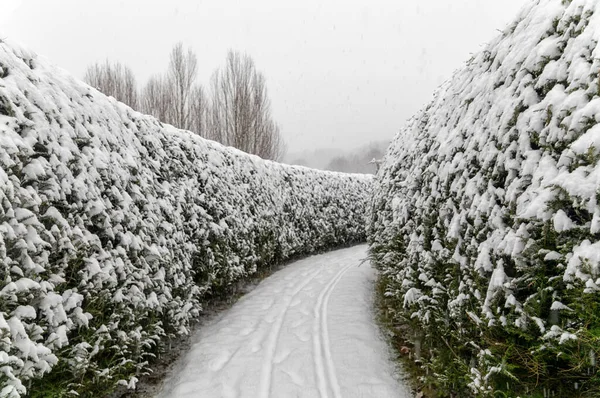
340, 73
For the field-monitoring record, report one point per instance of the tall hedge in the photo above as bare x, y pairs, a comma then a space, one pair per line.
486, 217
114, 229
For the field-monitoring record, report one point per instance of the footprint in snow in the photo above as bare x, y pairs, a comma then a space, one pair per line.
247, 330
282, 356
295, 377
295, 302
267, 306
220, 361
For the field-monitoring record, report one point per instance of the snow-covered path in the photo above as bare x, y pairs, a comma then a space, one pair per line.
306, 331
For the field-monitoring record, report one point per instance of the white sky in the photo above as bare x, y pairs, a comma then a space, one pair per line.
340, 73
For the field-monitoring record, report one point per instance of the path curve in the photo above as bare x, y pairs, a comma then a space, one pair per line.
306, 331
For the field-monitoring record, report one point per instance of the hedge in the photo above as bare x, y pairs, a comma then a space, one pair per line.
115, 229
486, 218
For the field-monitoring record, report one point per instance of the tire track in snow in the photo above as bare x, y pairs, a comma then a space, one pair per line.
322, 348
267, 366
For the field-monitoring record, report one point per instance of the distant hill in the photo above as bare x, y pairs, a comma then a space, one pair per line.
349, 161
317, 158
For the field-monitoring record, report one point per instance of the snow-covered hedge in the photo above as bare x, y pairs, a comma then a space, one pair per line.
486, 220
115, 228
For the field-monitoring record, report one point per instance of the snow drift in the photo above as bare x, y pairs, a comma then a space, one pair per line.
486, 220
114, 228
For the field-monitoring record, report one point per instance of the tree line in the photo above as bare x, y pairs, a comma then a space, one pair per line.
236, 111
365, 160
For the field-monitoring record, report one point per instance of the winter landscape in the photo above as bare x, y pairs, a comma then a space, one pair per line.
154, 244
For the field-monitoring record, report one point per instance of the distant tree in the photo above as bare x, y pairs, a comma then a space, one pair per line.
198, 110
341, 163
237, 114
363, 160
175, 98
240, 114
115, 79
155, 98
183, 68
374, 152
300, 162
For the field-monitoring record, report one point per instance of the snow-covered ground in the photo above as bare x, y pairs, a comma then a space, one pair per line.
306, 331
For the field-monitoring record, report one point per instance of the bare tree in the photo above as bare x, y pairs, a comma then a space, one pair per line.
114, 79
183, 68
240, 114
198, 111
174, 98
156, 99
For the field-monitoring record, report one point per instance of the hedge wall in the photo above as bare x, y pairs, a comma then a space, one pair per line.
486, 220
115, 228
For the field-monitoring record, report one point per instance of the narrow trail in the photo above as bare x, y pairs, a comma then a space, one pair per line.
306, 331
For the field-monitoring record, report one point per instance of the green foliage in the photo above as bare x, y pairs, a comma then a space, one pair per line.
6, 108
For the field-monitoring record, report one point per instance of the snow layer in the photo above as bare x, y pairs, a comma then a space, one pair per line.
489, 195
307, 331
114, 227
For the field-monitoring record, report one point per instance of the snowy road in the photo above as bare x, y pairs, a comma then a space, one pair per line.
306, 331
